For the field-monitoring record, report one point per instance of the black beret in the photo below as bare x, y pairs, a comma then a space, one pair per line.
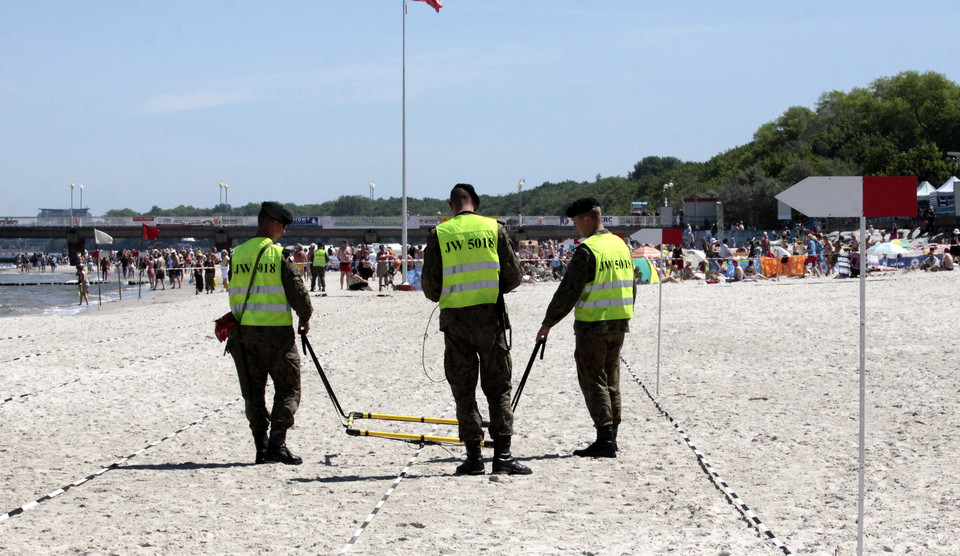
581, 206
277, 212
470, 191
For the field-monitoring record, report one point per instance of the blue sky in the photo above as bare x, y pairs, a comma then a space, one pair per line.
156, 103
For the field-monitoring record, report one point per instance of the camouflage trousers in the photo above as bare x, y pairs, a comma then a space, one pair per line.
478, 351
318, 274
598, 371
267, 351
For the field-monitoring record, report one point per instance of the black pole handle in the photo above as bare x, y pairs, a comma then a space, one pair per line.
541, 347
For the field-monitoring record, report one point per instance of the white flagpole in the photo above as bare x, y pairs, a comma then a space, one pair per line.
863, 378
659, 315
403, 209
96, 246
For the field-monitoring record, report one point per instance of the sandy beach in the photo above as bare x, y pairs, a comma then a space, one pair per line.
762, 377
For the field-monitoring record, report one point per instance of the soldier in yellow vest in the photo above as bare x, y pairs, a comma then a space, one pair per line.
600, 286
468, 264
264, 344
318, 267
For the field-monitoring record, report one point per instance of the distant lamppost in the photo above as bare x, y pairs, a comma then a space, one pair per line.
71, 203
81, 202
520, 190
224, 196
372, 186
666, 192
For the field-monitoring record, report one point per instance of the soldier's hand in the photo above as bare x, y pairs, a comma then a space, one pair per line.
305, 327
543, 333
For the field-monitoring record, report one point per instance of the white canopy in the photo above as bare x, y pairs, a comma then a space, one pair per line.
924, 190
943, 196
947, 186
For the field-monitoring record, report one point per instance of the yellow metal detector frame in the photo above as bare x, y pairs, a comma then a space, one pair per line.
419, 438
347, 420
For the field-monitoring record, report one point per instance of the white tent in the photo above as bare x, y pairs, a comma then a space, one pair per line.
943, 196
924, 190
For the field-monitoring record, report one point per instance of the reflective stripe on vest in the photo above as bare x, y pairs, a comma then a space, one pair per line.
471, 266
610, 295
267, 304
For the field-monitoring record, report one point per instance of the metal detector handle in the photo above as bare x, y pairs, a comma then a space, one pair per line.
323, 376
541, 347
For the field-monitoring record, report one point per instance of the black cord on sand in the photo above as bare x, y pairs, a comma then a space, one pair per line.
423, 348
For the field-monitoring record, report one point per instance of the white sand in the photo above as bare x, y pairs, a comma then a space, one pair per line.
762, 376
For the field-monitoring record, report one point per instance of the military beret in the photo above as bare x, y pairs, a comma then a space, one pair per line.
470, 191
581, 206
277, 212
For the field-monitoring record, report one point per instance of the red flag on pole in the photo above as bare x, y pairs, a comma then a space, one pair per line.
437, 4
149, 232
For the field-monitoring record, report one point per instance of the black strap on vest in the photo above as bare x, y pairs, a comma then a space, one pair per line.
250, 285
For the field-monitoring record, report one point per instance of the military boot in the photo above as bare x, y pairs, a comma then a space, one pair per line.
260, 441
277, 451
503, 462
616, 428
604, 447
473, 465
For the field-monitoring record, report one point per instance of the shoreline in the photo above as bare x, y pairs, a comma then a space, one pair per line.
762, 378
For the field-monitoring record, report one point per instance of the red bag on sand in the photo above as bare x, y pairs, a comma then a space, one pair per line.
224, 325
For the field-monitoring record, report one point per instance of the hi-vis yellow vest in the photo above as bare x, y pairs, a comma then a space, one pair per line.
610, 295
319, 257
267, 305
471, 267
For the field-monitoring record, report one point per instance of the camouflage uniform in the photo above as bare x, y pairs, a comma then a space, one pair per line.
318, 273
271, 351
598, 343
475, 345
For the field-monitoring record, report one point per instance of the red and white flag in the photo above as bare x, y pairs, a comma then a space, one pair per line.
437, 4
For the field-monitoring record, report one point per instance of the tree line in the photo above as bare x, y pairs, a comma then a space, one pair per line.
901, 125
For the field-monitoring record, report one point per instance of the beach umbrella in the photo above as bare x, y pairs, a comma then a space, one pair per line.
902, 243
645, 251
694, 256
779, 251
887, 248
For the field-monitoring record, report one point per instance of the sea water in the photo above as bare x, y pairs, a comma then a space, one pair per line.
55, 293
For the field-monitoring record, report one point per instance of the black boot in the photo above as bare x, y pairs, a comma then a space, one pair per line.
473, 465
277, 451
616, 427
503, 462
260, 440
604, 447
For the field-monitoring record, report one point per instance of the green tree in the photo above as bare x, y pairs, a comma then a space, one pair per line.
653, 166
121, 212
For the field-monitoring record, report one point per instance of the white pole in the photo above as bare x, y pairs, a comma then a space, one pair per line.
863, 388
403, 209
659, 316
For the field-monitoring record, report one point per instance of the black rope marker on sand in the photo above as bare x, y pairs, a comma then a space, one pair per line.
113, 465
741, 506
386, 495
